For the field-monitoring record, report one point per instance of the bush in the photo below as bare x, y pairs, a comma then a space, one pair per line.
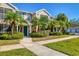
55, 33
36, 34
66, 33
5, 36
18, 35
39, 34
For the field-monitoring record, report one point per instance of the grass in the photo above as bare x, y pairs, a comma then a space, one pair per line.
34, 39
17, 52
9, 42
70, 47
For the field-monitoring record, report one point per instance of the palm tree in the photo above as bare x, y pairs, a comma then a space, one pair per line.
14, 19
43, 22
63, 21
11, 18
35, 23
21, 23
62, 17
54, 25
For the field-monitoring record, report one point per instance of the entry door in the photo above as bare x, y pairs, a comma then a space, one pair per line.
25, 30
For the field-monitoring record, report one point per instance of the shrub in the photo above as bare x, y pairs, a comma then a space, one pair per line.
55, 33
5, 36
38, 34
45, 32
18, 35
66, 33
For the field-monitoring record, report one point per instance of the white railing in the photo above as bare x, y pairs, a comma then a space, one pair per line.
2, 15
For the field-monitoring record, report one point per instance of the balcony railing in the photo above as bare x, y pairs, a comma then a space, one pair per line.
2, 16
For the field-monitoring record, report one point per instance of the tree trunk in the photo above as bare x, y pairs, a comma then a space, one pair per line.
60, 30
21, 28
17, 28
53, 29
56, 29
12, 30
36, 28
13, 27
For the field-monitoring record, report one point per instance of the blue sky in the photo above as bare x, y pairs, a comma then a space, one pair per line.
70, 9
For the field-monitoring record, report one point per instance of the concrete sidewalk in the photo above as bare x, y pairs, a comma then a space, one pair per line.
56, 40
39, 49
42, 50
10, 47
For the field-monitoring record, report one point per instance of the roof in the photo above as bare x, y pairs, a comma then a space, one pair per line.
25, 12
28, 12
44, 11
14, 7
75, 25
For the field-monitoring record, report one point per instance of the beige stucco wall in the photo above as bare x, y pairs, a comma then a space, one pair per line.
39, 13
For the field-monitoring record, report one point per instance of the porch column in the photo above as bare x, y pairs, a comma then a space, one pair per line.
30, 29
56, 29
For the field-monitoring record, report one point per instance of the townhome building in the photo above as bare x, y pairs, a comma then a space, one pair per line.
5, 7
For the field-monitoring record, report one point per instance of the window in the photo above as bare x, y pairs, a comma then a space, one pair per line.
29, 18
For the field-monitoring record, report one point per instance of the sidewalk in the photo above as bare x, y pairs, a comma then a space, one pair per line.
56, 40
39, 49
10, 47
42, 50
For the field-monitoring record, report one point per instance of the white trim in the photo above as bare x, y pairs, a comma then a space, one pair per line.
24, 11
12, 6
45, 11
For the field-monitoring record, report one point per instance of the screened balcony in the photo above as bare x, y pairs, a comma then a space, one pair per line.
3, 11
3, 26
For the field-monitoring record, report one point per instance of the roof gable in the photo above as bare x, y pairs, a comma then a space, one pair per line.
8, 5
14, 7
44, 10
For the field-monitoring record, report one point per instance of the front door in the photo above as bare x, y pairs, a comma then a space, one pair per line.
25, 30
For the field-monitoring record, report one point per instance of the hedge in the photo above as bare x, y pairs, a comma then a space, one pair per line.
18, 35
6, 36
39, 34
55, 33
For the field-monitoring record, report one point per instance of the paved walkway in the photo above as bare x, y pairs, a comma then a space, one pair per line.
10, 47
56, 40
42, 50
39, 49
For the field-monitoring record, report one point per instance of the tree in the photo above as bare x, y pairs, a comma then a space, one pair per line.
43, 22
54, 25
21, 23
62, 17
63, 20
35, 23
13, 18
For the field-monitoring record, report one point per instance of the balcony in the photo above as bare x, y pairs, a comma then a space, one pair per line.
2, 16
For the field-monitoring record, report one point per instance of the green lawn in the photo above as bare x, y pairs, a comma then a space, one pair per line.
34, 39
70, 47
9, 42
17, 52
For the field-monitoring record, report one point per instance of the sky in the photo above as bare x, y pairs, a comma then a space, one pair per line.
70, 9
